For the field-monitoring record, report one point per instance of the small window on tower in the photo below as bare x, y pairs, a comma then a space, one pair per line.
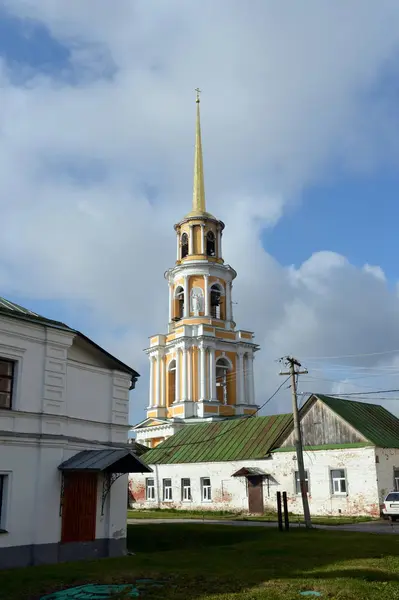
184, 245
222, 369
179, 299
216, 302
210, 244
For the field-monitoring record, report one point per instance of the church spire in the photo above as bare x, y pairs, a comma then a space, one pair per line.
199, 187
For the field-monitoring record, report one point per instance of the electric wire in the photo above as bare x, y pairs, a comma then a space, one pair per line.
239, 420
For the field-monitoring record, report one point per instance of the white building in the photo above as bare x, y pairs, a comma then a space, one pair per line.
351, 460
63, 443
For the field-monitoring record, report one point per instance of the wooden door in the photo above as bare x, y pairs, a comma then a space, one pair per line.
79, 507
255, 494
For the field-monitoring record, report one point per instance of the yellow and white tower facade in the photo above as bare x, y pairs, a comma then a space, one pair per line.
202, 369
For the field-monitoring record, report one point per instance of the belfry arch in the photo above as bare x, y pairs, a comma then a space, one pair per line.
217, 301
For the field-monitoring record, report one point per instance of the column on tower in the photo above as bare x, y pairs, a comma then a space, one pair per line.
151, 391
189, 373
229, 316
212, 375
191, 240
202, 372
177, 376
240, 379
178, 246
184, 373
219, 238
171, 299
251, 382
202, 238
162, 369
186, 297
206, 295
158, 379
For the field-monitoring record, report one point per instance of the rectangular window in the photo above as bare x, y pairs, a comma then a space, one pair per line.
150, 489
185, 490
167, 490
396, 479
6, 382
338, 481
298, 483
3, 486
206, 491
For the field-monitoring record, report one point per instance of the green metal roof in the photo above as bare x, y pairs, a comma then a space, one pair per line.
374, 422
232, 439
15, 311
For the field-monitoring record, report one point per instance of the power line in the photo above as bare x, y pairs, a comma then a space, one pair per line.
307, 358
228, 431
367, 393
349, 397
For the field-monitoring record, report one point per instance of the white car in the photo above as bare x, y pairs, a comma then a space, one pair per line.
390, 508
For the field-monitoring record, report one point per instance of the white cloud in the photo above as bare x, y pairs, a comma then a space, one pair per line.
287, 94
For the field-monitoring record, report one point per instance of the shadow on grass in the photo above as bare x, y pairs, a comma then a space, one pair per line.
196, 561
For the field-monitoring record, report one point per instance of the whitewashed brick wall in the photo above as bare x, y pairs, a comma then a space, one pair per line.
230, 493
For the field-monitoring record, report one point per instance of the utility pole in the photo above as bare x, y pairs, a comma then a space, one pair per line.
291, 362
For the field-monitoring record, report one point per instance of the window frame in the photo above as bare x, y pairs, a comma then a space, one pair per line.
9, 377
184, 488
5, 479
210, 238
150, 487
181, 299
165, 488
216, 293
205, 489
185, 245
297, 483
222, 363
340, 479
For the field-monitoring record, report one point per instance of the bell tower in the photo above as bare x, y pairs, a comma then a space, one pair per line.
202, 369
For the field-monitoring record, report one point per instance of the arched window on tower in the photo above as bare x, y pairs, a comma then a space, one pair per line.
210, 244
184, 245
179, 303
222, 380
171, 387
217, 302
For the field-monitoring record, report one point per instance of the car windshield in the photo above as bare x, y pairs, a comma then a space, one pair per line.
394, 497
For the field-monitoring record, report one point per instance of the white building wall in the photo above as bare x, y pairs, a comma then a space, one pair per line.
230, 493
89, 390
66, 398
55, 394
388, 460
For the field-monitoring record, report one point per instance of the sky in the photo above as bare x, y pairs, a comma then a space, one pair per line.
300, 118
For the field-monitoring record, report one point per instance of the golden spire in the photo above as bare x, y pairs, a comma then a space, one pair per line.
199, 187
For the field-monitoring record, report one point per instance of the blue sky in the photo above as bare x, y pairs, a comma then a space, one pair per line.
87, 119
353, 216
29, 43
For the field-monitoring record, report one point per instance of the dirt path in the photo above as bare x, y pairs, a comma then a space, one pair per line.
378, 527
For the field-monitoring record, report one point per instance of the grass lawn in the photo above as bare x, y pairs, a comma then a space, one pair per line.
217, 562
231, 516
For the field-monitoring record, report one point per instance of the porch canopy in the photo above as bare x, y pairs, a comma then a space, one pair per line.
118, 460
250, 472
